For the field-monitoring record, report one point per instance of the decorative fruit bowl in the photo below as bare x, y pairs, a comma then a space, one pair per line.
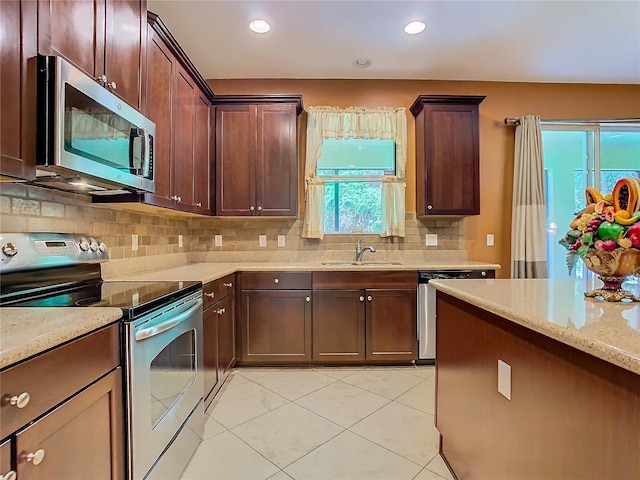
606, 235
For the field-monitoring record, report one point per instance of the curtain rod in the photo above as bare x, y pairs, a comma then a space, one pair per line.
516, 120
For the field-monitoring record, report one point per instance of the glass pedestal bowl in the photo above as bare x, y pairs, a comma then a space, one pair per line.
613, 268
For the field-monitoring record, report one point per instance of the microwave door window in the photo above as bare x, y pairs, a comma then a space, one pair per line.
95, 132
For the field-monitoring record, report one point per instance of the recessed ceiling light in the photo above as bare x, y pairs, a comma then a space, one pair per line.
361, 63
260, 26
414, 27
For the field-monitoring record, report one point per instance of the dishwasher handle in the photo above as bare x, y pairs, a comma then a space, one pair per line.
166, 325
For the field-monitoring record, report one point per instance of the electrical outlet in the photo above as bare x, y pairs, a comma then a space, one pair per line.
504, 379
217, 240
134, 242
490, 239
262, 240
180, 242
281, 240
431, 239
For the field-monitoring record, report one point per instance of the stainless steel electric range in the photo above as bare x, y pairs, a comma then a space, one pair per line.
161, 339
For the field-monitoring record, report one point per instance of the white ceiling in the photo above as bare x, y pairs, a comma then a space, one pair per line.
522, 41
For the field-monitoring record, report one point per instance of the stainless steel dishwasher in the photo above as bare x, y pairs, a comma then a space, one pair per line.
427, 308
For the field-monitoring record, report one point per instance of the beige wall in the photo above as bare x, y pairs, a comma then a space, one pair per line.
550, 101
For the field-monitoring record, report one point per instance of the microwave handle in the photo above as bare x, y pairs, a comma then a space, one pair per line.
146, 152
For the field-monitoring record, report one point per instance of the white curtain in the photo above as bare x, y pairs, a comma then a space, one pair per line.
528, 230
356, 122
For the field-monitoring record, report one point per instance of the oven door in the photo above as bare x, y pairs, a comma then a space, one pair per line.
164, 376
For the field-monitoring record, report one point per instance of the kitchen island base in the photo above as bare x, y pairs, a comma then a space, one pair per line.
571, 415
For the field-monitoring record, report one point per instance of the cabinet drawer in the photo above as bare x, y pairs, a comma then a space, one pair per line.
226, 285
5, 458
54, 376
379, 279
210, 294
276, 280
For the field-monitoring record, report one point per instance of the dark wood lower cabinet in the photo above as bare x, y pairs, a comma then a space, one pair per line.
338, 326
81, 439
210, 352
5, 458
391, 325
275, 326
226, 335
571, 415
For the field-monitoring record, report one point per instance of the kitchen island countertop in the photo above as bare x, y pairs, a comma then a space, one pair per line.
558, 309
27, 331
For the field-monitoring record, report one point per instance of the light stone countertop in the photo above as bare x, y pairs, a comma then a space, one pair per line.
27, 331
207, 272
558, 309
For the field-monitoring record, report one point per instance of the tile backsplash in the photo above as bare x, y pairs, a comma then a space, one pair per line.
25, 208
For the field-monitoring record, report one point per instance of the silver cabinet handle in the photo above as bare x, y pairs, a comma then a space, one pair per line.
21, 400
276, 281
429, 207
112, 85
259, 209
199, 204
369, 298
179, 199
102, 79
361, 298
10, 475
210, 295
176, 198
308, 299
228, 284
484, 274
252, 208
221, 311
36, 457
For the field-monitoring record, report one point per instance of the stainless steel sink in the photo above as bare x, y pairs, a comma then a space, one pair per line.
360, 264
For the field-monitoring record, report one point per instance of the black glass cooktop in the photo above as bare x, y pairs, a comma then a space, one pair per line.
134, 298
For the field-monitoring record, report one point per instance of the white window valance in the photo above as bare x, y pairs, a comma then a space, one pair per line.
356, 122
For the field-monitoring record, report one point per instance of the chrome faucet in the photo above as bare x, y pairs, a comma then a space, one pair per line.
360, 250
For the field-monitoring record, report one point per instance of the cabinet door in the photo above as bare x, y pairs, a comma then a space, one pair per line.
183, 131
338, 325
235, 160
226, 334
5, 458
159, 89
275, 326
75, 30
18, 23
276, 164
391, 325
451, 160
210, 349
82, 438
125, 22
202, 156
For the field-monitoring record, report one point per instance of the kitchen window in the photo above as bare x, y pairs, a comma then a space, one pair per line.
353, 170
582, 155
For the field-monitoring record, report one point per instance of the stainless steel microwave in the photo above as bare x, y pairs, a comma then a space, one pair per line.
87, 139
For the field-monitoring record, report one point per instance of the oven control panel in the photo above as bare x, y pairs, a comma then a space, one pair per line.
28, 251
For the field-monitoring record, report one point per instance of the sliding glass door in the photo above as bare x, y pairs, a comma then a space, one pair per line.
575, 157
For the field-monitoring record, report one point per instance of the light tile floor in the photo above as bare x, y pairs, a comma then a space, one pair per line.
322, 423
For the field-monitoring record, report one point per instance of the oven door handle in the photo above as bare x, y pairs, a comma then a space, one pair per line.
167, 325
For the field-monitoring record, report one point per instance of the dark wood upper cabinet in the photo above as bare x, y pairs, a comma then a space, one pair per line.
447, 154
101, 37
256, 155
183, 145
202, 161
18, 43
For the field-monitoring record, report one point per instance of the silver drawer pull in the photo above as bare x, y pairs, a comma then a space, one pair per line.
276, 281
112, 85
210, 295
361, 298
221, 311
21, 400
369, 298
229, 284
36, 457
199, 204
10, 475
308, 299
